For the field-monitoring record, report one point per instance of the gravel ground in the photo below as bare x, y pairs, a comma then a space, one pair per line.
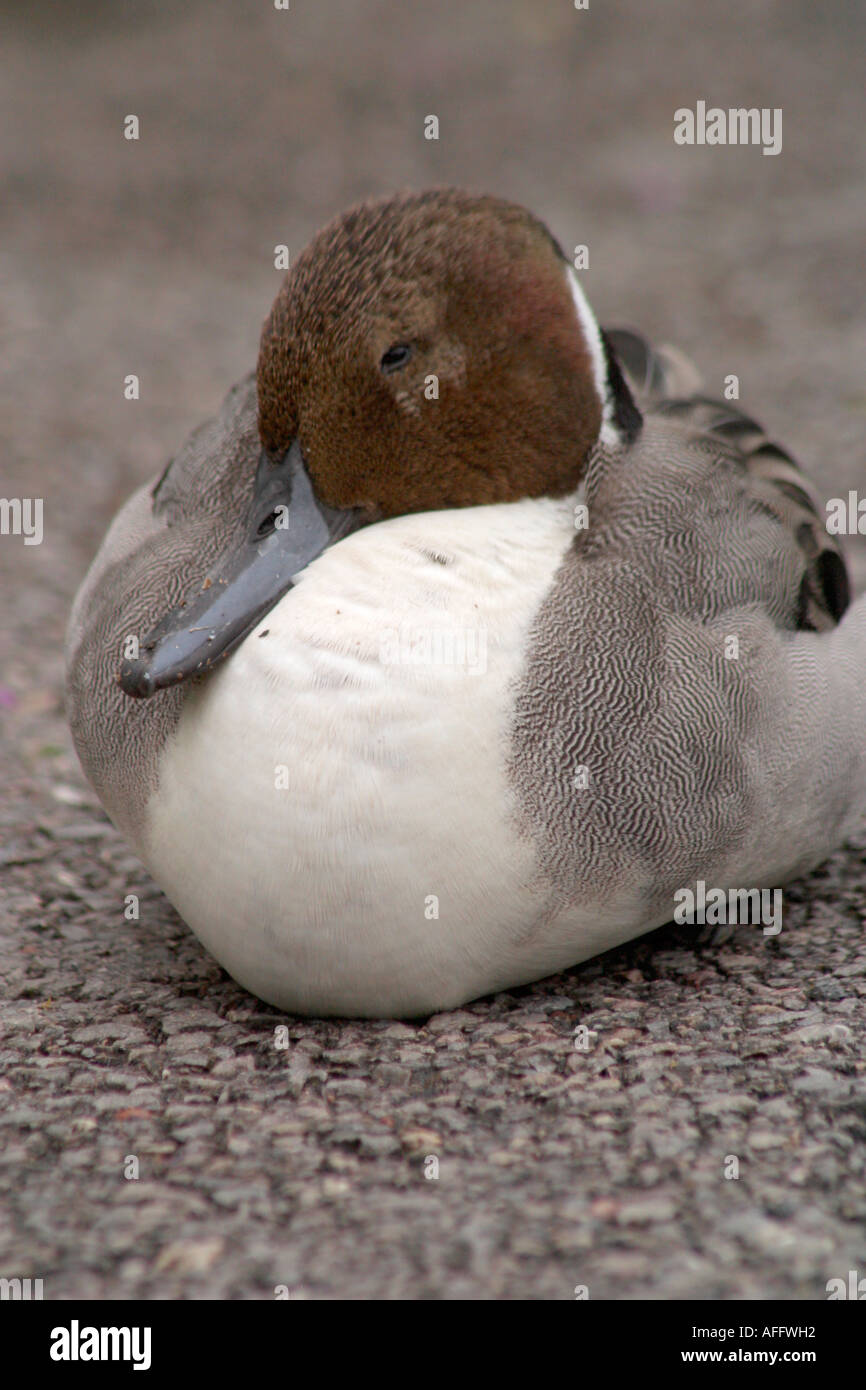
304, 1166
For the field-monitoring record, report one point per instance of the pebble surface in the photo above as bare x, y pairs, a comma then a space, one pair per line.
155, 1142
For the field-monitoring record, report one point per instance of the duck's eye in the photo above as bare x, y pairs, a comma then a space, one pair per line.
396, 357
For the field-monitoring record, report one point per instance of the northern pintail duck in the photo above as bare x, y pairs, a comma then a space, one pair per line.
523, 637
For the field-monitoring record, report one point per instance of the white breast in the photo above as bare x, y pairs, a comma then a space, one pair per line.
333, 818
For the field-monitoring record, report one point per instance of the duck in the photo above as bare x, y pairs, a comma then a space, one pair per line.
466, 636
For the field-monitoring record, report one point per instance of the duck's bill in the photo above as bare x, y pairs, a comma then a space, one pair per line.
287, 527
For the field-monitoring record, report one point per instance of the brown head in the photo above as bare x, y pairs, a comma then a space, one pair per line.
428, 351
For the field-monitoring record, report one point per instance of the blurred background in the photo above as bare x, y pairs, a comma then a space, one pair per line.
155, 257
256, 125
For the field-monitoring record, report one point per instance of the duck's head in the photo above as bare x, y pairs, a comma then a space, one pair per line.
427, 351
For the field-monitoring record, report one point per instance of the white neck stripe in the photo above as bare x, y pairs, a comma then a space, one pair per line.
608, 434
